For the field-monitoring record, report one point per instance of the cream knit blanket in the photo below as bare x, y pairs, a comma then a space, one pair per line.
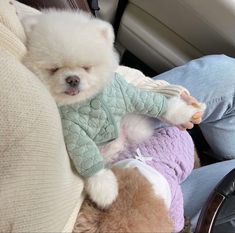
39, 192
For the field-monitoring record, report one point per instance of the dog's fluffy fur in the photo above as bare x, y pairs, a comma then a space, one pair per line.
73, 44
136, 209
65, 44
62, 44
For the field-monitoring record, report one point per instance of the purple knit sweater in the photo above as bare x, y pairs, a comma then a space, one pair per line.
171, 152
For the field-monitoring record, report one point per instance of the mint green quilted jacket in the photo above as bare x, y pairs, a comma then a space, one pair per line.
95, 122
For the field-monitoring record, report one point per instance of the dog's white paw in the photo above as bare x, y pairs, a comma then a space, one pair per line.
179, 112
102, 188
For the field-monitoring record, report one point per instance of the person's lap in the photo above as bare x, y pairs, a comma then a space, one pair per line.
203, 179
211, 80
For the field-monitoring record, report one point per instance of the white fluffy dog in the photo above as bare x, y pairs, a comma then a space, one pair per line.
73, 55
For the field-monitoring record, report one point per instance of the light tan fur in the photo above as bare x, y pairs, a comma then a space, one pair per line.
137, 209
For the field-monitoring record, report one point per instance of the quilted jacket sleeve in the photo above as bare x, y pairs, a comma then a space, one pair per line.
82, 149
142, 101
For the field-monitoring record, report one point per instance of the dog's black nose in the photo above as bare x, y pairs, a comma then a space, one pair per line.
73, 80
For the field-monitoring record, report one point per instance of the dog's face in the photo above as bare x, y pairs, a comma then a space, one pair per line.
71, 53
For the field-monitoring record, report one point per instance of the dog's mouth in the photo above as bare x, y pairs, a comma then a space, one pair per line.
72, 91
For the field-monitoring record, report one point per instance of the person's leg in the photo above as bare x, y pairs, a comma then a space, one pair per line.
211, 80
198, 186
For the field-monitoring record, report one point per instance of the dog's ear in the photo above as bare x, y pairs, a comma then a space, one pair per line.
29, 22
106, 31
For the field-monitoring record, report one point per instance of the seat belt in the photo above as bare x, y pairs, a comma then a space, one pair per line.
94, 6
119, 12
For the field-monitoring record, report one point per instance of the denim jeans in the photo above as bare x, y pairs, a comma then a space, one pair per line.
211, 79
198, 186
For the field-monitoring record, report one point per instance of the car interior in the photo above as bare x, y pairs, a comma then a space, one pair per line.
157, 35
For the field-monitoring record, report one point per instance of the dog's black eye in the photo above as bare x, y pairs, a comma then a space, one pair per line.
86, 68
53, 70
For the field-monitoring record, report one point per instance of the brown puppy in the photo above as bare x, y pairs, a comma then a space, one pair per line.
137, 209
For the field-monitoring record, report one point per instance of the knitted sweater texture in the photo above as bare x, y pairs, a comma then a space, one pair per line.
39, 192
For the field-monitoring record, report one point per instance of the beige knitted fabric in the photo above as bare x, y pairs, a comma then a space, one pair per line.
137, 78
12, 34
24, 10
39, 192
9, 18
